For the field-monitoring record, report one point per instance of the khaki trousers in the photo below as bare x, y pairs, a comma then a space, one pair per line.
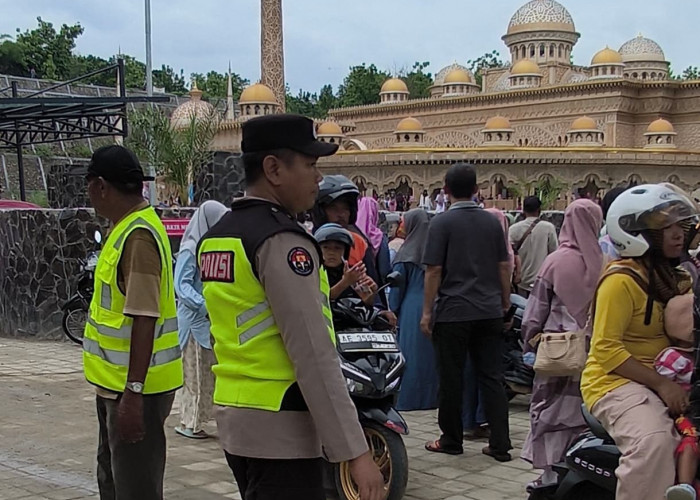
638, 421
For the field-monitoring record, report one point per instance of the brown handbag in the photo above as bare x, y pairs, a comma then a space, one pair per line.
560, 354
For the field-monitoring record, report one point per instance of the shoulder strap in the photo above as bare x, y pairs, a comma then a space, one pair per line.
519, 244
618, 269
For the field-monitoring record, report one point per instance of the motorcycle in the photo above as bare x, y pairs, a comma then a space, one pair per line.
519, 376
75, 310
372, 365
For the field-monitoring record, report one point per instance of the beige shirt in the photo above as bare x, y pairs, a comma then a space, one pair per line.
331, 426
138, 278
539, 244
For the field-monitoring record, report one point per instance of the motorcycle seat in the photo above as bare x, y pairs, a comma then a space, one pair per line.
595, 426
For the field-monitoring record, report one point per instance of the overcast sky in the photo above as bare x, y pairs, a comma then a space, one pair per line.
323, 38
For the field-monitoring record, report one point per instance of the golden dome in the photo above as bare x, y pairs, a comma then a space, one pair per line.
182, 115
257, 94
497, 123
525, 67
660, 126
607, 56
457, 76
329, 128
394, 85
409, 124
584, 123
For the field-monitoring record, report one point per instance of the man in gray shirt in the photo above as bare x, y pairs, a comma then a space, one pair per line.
533, 240
467, 270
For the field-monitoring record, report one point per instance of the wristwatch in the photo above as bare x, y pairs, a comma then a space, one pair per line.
135, 387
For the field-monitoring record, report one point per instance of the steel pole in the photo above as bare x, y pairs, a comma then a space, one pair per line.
149, 59
20, 158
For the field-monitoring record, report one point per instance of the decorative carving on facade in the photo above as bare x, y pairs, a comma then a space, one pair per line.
272, 49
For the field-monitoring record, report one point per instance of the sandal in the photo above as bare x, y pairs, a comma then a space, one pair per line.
500, 457
189, 433
436, 447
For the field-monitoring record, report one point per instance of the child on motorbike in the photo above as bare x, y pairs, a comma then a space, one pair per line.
344, 280
677, 364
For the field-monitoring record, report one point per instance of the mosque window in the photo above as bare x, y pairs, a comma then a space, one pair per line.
406, 138
523, 52
644, 75
552, 48
561, 50
417, 138
542, 50
532, 50
635, 75
257, 109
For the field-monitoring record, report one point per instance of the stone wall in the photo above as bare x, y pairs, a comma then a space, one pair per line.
67, 189
39, 265
221, 180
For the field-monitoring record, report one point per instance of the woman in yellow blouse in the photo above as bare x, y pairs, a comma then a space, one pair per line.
648, 225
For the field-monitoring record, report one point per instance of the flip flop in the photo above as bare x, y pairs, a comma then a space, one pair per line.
500, 457
189, 433
436, 447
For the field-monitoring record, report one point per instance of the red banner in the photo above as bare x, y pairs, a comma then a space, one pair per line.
175, 227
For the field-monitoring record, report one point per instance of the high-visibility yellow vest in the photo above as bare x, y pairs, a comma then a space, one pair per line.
107, 338
253, 369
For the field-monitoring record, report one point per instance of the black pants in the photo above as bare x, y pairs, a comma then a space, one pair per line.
483, 340
263, 479
130, 471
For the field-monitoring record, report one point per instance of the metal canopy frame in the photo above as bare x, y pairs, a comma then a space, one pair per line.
41, 120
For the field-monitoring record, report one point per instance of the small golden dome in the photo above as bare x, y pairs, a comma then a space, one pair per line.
329, 128
660, 126
525, 67
584, 123
394, 85
457, 76
607, 56
497, 123
409, 124
257, 94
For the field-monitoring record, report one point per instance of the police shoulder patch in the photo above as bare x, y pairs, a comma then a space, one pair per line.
300, 261
216, 266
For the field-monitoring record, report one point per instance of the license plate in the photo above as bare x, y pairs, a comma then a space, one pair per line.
367, 341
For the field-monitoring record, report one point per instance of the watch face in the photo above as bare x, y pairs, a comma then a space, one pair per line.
136, 387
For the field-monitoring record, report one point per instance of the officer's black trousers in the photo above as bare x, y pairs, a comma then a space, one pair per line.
263, 479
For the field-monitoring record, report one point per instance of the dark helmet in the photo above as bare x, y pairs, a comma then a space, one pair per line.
335, 232
331, 188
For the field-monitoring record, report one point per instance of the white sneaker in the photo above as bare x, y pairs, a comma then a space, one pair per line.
681, 492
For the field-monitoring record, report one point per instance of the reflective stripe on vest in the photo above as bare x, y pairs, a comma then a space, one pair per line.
253, 369
107, 339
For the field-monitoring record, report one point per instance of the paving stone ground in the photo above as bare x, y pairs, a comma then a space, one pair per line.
48, 440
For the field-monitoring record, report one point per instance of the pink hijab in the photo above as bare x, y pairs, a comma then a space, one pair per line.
575, 267
367, 220
505, 225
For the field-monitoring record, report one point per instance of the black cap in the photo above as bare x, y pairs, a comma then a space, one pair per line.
116, 164
284, 131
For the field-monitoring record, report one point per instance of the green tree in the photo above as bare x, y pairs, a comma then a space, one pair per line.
177, 153
326, 100
166, 78
689, 73
214, 85
12, 58
48, 51
304, 103
418, 82
489, 60
361, 86
548, 189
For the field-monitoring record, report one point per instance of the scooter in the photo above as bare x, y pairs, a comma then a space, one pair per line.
75, 310
372, 364
519, 376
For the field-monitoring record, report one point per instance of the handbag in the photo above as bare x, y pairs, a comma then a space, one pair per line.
560, 354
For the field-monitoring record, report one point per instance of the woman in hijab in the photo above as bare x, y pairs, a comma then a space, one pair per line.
419, 388
193, 326
560, 302
367, 220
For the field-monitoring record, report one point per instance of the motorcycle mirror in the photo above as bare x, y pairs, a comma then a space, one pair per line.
98, 237
394, 279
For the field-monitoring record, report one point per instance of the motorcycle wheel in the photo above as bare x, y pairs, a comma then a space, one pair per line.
389, 453
74, 320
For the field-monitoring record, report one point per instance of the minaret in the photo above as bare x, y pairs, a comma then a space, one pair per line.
272, 49
230, 115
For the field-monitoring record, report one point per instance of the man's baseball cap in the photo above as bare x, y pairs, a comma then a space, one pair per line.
284, 131
116, 164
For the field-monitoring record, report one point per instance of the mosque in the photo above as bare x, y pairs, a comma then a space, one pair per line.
540, 121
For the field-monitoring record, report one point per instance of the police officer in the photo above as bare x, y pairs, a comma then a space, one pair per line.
282, 400
131, 351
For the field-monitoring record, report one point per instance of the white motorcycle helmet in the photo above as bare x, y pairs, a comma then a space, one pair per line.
643, 208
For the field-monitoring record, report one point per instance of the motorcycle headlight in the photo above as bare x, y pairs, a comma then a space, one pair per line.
393, 385
354, 386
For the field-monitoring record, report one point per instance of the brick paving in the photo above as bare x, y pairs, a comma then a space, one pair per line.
48, 440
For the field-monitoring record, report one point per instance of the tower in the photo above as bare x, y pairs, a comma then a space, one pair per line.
272, 49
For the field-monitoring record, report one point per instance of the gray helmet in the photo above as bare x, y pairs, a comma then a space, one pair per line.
334, 232
333, 187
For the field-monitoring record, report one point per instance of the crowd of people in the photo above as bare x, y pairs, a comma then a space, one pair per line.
255, 282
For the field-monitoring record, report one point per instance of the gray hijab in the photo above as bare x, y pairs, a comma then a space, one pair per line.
416, 223
203, 219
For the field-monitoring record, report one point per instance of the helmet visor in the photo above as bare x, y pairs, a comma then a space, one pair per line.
659, 217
